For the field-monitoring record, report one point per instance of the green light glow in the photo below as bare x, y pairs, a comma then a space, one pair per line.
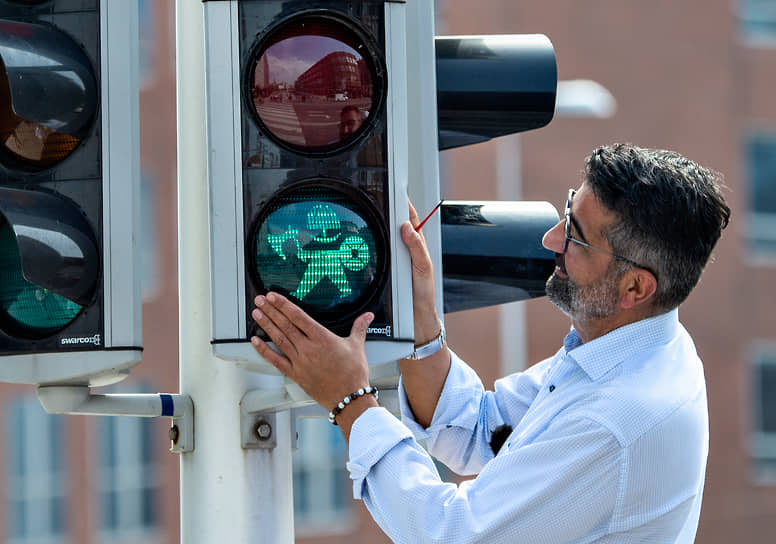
316, 247
24, 306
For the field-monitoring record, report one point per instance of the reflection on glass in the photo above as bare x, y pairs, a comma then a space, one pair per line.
27, 309
25, 142
317, 247
312, 84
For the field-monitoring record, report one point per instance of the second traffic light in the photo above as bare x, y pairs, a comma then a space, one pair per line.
308, 167
69, 191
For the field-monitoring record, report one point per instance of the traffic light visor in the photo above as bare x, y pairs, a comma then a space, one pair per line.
322, 246
314, 83
48, 95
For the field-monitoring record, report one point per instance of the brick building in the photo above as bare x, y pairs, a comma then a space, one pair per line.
692, 76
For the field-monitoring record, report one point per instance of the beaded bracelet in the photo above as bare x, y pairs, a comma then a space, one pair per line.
368, 390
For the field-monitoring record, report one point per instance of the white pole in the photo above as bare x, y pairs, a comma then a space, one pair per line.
228, 494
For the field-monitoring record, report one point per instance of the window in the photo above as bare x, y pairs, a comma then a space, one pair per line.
763, 445
35, 492
126, 478
760, 156
322, 487
758, 21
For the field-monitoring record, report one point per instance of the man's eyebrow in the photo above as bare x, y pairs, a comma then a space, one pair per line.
577, 227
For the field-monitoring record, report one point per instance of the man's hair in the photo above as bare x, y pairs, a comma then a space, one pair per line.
670, 213
349, 108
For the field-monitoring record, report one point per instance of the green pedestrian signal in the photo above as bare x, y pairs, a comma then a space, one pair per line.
320, 247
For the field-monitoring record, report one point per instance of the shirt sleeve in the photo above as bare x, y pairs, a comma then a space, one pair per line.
534, 493
466, 415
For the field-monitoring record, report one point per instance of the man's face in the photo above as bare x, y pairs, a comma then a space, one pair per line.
585, 283
350, 121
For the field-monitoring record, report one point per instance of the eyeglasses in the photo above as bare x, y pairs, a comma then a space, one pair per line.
570, 238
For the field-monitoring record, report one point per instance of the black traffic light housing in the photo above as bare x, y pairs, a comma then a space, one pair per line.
69, 191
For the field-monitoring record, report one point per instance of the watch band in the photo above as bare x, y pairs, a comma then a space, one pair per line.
426, 350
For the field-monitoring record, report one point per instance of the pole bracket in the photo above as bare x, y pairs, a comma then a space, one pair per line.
259, 406
78, 400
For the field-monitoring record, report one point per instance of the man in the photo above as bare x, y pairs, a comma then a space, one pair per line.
609, 437
351, 120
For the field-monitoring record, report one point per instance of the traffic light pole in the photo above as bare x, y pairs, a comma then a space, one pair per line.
228, 494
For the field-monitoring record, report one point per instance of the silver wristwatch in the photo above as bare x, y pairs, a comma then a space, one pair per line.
426, 350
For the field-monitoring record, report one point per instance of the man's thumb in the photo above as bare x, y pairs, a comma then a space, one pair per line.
360, 325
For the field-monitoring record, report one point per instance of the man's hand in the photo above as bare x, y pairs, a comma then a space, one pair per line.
423, 294
328, 367
423, 380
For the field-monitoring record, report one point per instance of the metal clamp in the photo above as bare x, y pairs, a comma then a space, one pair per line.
78, 400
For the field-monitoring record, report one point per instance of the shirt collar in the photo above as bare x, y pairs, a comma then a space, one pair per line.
599, 356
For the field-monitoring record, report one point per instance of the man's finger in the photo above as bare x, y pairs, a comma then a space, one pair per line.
414, 219
294, 314
272, 356
278, 337
421, 261
279, 319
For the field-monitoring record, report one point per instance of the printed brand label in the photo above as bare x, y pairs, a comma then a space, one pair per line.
94, 340
386, 330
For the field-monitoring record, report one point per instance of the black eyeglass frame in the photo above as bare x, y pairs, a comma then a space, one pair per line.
570, 238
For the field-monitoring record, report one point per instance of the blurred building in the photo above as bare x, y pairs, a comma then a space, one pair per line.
691, 76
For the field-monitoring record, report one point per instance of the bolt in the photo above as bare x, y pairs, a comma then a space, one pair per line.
263, 430
174, 434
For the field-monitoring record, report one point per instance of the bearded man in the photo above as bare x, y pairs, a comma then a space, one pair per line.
605, 441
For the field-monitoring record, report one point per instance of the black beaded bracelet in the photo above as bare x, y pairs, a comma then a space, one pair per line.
368, 390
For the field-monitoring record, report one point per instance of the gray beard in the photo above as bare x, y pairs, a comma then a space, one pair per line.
583, 302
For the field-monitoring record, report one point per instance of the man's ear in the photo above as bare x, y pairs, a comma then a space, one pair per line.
637, 287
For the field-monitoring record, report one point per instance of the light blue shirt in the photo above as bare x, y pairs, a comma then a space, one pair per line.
609, 445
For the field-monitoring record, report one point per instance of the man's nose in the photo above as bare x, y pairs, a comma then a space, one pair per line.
554, 238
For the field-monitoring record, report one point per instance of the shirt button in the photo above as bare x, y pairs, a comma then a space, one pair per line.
552, 388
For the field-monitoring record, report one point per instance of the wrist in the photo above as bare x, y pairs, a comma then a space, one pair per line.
353, 399
427, 330
428, 349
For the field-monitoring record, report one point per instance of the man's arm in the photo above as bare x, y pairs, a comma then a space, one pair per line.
423, 379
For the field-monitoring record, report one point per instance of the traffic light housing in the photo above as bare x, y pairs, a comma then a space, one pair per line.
69, 191
307, 130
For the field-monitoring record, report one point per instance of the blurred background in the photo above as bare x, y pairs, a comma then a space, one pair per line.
692, 76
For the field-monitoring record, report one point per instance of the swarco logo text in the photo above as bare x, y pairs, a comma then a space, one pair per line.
94, 340
380, 330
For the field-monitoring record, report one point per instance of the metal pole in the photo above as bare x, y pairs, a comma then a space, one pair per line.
228, 494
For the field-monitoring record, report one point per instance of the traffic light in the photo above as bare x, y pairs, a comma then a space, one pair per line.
308, 137
69, 191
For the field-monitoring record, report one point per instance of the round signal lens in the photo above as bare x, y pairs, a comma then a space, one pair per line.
48, 96
314, 83
322, 248
27, 310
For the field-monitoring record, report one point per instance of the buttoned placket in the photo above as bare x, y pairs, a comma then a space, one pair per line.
552, 383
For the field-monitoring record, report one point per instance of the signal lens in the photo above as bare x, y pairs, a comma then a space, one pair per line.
48, 96
27, 310
322, 249
313, 84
